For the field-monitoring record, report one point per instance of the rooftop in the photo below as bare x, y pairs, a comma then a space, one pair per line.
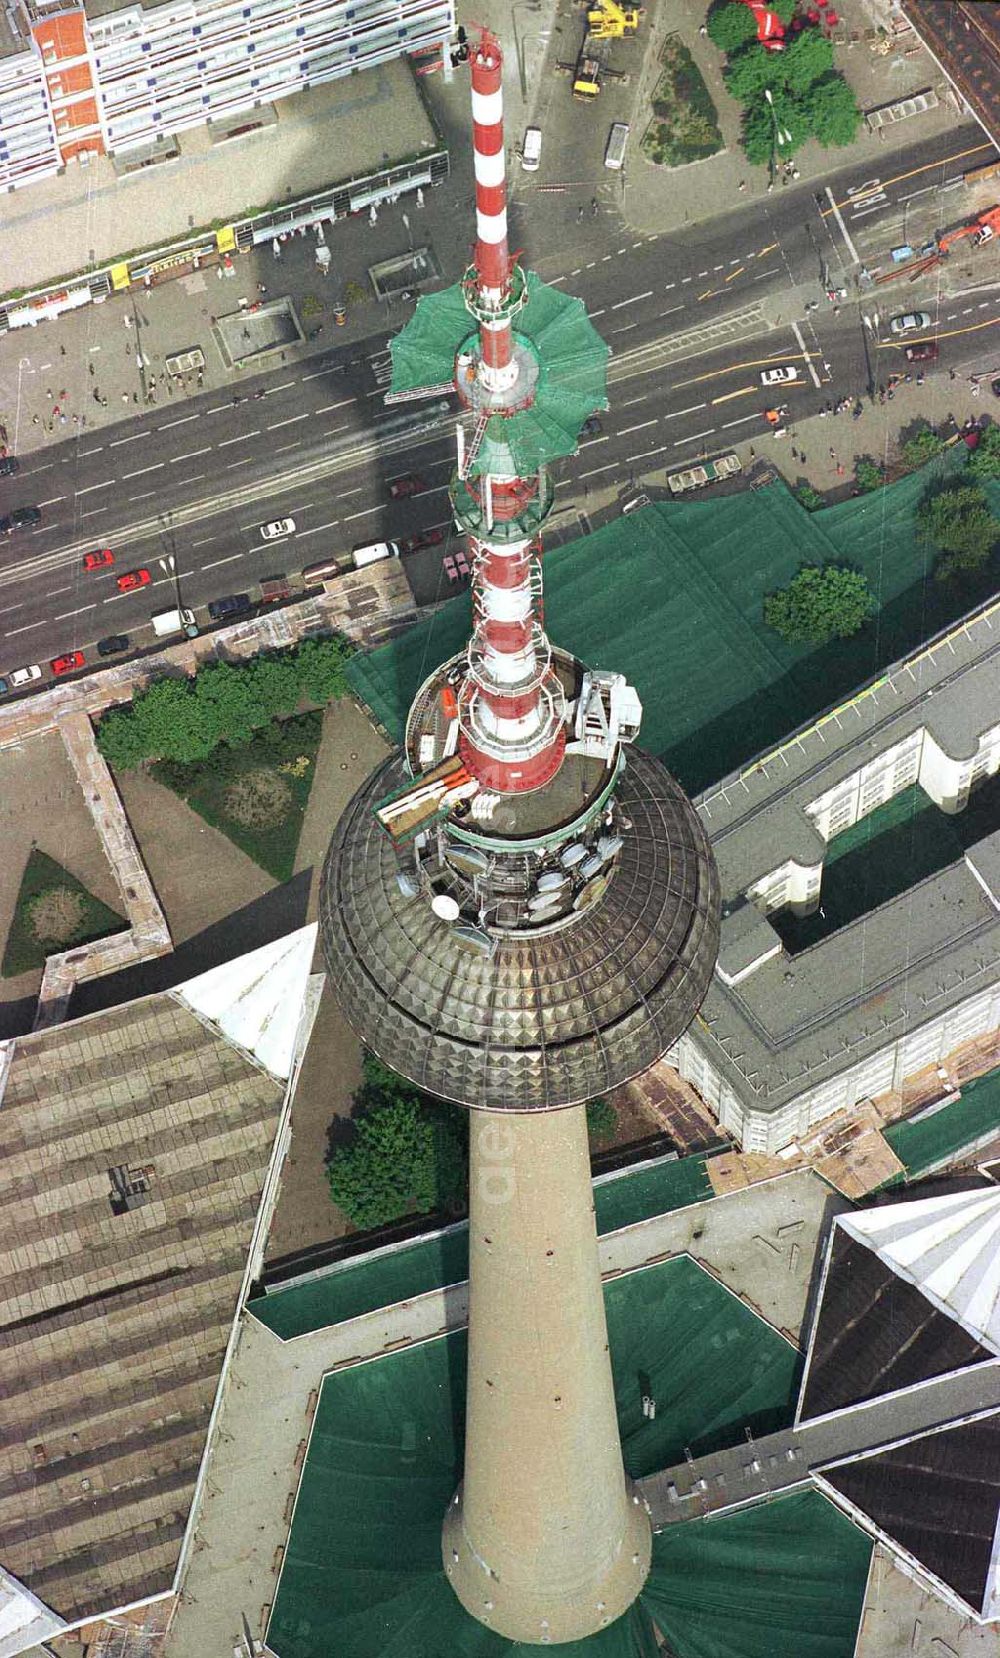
134, 1146
966, 42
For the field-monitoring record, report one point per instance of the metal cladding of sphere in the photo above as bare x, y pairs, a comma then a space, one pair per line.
556, 1014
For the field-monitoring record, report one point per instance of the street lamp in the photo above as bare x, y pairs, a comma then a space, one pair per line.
781, 134
22, 364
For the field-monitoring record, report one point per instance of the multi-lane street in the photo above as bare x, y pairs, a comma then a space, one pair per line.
693, 321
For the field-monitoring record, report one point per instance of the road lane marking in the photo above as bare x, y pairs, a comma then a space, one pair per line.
65, 615
277, 424
157, 467
641, 426
672, 310
216, 562
727, 396
226, 443
204, 541
117, 443
694, 437
734, 274
231, 467
741, 422
91, 487
599, 313
26, 629
633, 301
363, 513
145, 496
190, 456
167, 424
835, 210
282, 387
329, 407
52, 500
807, 356
315, 531
596, 469
680, 412
92, 513
53, 591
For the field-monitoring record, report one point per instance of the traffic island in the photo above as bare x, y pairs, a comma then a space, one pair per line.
684, 125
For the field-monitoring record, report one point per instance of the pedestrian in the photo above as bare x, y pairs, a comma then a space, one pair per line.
753, 452
91, 370
261, 288
96, 395
62, 351
56, 409
50, 392
62, 394
579, 212
124, 396
593, 207
742, 186
135, 397
35, 420
128, 351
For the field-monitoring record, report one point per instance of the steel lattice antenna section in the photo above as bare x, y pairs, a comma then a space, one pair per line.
520, 912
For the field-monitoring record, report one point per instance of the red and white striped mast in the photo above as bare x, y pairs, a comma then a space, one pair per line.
511, 705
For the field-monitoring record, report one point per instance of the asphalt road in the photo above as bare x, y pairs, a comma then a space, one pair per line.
693, 321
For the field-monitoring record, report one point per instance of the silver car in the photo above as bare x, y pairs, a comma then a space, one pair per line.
910, 322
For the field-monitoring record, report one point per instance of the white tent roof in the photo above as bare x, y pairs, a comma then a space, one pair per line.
949, 1247
257, 999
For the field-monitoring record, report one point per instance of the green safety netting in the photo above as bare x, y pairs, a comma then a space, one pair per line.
672, 596
572, 363
971, 1120
362, 1574
350, 1288
785, 1579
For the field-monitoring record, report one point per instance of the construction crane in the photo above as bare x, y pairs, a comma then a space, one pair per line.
610, 21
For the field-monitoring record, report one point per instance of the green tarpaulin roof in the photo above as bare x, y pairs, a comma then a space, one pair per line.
362, 1575
959, 1126
351, 1288
572, 362
672, 596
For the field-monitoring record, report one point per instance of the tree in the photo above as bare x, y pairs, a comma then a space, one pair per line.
320, 665
751, 70
602, 1121
730, 27
868, 474
224, 695
783, 9
762, 123
958, 520
172, 723
808, 57
831, 111
808, 497
921, 447
400, 1161
984, 461
820, 603
274, 683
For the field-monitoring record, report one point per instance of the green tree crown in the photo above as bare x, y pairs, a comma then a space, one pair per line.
730, 27
820, 603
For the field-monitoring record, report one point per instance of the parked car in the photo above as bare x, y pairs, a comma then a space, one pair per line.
423, 538
779, 376
24, 676
9, 464
278, 529
231, 604
113, 645
995, 387
98, 560
401, 489
531, 149
326, 569
635, 502
67, 663
22, 518
273, 588
924, 352
591, 426
133, 579
909, 323
4, 686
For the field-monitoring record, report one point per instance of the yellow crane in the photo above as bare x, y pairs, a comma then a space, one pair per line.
610, 21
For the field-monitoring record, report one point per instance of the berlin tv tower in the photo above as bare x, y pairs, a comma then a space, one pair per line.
520, 912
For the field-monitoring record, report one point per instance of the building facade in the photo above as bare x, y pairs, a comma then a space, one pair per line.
76, 83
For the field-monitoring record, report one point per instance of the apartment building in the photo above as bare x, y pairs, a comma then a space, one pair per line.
121, 79
860, 865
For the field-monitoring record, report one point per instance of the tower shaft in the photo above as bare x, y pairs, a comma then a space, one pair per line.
545, 1541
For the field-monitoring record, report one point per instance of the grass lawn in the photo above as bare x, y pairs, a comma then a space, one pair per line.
684, 125
256, 795
53, 912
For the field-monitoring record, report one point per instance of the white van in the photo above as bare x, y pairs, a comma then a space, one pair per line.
167, 622
372, 554
614, 150
531, 149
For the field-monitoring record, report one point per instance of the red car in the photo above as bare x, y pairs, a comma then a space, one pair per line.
924, 352
409, 484
423, 538
67, 664
98, 560
133, 579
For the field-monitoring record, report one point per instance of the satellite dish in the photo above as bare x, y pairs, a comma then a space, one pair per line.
589, 894
590, 866
467, 860
445, 907
573, 855
545, 901
408, 884
551, 881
